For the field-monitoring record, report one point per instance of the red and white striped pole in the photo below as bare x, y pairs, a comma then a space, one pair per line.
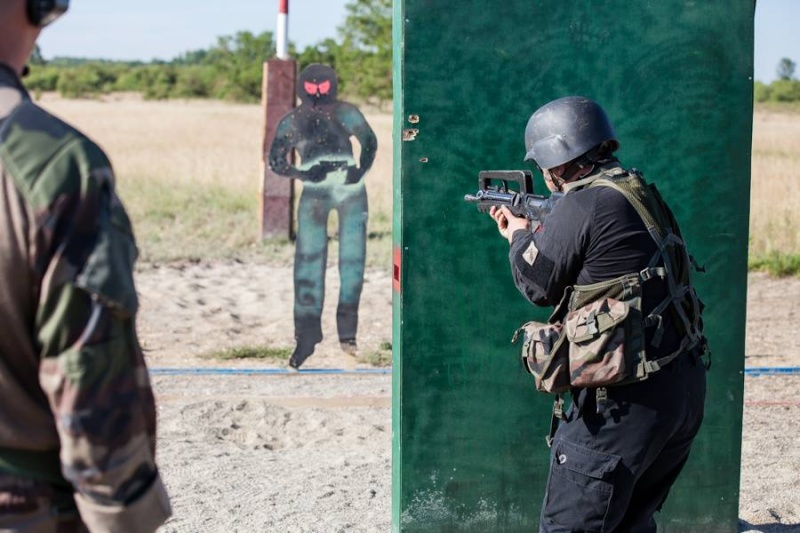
282, 30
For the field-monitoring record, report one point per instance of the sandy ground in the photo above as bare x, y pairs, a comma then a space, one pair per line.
312, 453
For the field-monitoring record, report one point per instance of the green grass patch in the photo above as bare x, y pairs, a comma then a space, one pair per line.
776, 264
377, 358
251, 352
175, 221
381, 357
182, 222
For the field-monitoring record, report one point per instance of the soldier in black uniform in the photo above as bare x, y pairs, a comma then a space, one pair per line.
618, 449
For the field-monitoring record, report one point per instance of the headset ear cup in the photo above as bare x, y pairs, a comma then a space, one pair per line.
43, 12
34, 9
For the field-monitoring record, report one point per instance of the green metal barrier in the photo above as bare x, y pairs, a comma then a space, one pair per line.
675, 76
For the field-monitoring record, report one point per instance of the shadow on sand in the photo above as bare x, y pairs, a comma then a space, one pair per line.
768, 528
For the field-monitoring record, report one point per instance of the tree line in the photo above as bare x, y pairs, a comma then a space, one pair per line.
231, 69
785, 89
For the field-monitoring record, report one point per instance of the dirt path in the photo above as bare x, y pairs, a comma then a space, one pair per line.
301, 453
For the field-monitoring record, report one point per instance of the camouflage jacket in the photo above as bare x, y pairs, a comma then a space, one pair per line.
76, 406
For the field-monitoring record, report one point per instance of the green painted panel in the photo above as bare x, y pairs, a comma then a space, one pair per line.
675, 76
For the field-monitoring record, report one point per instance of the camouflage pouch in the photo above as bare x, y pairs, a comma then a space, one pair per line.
545, 355
596, 341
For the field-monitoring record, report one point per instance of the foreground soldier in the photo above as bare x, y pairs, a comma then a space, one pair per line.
637, 401
77, 417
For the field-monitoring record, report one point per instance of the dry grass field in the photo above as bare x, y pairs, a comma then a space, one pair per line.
775, 189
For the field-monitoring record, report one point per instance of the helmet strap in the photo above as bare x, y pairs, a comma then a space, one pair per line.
598, 155
571, 171
557, 180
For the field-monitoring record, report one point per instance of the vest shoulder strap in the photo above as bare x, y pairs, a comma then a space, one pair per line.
671, 254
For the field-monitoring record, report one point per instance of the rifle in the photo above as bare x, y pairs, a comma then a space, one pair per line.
330, 166
319, 170
493, 190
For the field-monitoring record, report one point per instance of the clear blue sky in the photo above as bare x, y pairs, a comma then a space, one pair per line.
776, 36
163, 29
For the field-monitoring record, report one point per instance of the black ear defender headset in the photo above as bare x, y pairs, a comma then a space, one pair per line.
43, 12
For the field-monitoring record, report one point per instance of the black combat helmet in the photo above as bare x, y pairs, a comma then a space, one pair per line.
317, 84
565, 129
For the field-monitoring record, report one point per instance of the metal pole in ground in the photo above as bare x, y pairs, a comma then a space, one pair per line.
282, 30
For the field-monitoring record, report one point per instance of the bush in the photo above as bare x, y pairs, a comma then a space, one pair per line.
761, 92
132, 80
776, 264
42, 79
785, 91
78, 83
193, 82
161, 83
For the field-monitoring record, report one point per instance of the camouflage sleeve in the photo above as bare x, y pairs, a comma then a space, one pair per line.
92, 367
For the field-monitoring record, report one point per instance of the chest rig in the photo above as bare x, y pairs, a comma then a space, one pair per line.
670, 263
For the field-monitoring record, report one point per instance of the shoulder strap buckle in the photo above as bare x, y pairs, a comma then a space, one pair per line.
558, 414
649, 272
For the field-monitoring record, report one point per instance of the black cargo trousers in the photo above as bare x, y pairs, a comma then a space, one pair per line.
611, 471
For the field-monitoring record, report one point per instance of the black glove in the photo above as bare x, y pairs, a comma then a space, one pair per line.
315, 174
354, 175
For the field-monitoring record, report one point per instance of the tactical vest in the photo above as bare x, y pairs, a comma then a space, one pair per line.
596, 335
671, 263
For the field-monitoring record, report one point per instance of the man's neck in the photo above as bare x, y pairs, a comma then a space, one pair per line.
9, 78
11, 58
7, 70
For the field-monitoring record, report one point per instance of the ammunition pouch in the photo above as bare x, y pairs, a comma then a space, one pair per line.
545, 355
597, 344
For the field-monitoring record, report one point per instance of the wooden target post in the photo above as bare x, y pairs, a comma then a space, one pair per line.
277, 192
277, 99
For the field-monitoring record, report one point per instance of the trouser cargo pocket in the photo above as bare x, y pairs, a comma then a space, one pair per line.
579, 490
